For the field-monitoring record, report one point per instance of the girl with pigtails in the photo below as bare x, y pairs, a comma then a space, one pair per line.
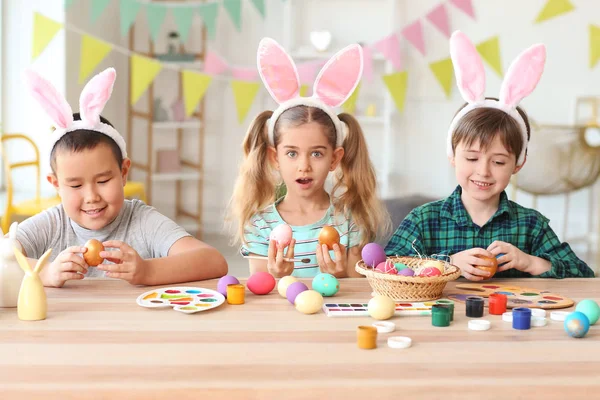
298, 145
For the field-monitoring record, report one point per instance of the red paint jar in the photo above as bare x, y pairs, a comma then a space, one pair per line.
497, 303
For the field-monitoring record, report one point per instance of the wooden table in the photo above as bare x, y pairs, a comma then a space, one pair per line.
98, 343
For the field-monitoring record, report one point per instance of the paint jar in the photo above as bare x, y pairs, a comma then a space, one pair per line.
521, 318
474, 307
440, 315
366, 337
450, 304
497, 303
236, 293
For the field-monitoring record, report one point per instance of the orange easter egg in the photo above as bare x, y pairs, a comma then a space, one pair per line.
92, 255
329, 236
491, 269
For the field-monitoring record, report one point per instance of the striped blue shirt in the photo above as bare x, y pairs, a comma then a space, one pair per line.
258, 230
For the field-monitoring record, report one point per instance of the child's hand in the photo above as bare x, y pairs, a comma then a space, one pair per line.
513, 257
467, 260
68, 265
335, 267
128, 265
276, 265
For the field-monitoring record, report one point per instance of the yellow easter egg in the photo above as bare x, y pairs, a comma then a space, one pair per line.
309, 302
283, 284
433, 263
381, 307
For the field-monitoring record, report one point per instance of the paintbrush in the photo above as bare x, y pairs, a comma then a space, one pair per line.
302, 260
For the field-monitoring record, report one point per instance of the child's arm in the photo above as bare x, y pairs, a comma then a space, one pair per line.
354, 256
549, 257
188, 260
401, 242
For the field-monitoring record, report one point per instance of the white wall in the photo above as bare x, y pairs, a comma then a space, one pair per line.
420, 164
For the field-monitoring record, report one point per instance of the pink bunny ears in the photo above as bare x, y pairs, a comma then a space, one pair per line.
334, 84
92, 100
521, 78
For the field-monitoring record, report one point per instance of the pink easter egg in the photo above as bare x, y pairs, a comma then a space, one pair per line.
373, 254
387, 267
282, 234
430, 271
261, 283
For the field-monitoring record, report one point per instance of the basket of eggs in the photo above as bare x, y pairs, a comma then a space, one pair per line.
405, 278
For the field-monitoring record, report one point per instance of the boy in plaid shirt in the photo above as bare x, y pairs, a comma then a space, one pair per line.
487, 143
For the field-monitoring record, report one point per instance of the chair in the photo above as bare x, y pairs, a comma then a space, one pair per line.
28, 207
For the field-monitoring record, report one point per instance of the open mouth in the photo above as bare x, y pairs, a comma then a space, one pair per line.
482, 185
94, 211
304, 181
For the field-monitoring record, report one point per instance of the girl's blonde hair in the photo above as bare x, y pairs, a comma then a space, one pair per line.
356, 181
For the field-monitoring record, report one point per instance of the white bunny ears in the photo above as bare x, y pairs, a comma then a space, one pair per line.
93, 97
334, 84
521, 78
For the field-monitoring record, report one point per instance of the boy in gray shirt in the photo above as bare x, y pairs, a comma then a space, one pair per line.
89, 165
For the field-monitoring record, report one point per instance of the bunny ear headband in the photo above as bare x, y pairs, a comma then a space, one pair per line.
334, 84
93, 97
521, 78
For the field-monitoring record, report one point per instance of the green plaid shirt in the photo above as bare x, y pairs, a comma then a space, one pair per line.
443, 228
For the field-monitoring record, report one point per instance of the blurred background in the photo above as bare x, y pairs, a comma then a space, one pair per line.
187, 88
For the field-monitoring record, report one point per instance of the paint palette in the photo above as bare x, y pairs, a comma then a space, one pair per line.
517, 296
187, 300
360, 309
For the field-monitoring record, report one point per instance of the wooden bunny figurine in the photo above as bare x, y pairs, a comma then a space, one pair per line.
32, 297
11, 275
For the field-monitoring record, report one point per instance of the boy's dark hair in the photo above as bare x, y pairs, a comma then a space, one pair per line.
483, 124
85, 139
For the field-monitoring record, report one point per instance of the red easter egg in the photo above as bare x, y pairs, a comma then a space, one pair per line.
387, 267
430, 271
261, 283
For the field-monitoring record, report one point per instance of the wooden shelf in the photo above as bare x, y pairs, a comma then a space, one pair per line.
169, 125
184, 175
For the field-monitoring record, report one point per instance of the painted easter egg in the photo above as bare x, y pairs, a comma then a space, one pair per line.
224, 281
430, 271
590, 308
261, 283
283, 284
329, 236
294, 290
92, 255
282, 234
373, 254
381, 307
406, 272
492, 270
434, 264
387, 267
309, 302
577, 324
400, 266
326, 284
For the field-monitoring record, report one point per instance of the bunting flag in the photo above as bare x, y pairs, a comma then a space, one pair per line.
183, 20
304, 90
244, 73
465, 6
443, 71
554, 8
396, 84
156, 16
349, 105
243, 95
414, 34
208, 13
260, 6
439, 18
194, 87
129, 10
92, 53
143, 71
389, 46
68, 3
490, 52
98, 7
594, 45
44, 30
234, 9
214, 64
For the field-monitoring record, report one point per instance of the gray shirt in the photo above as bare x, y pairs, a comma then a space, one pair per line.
140, 226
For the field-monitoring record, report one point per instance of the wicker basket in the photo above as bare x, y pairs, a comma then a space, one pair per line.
409, 288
